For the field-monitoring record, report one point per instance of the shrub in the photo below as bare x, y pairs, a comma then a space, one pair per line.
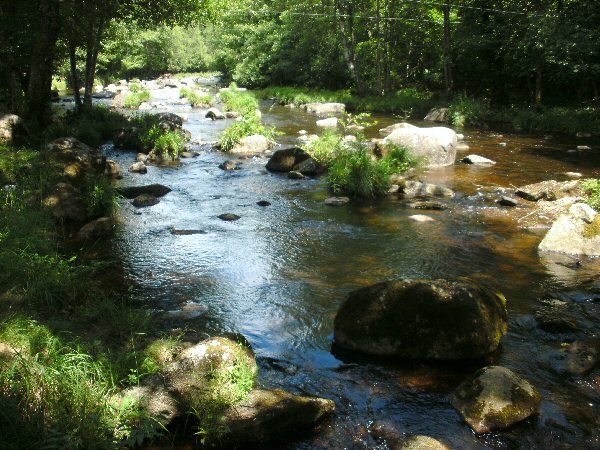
398, 159
248, 125
355, 172
242, 102
468, 111
326, 148
100, 195
591, 188
135, 88
135, 99
196, 99
169, 145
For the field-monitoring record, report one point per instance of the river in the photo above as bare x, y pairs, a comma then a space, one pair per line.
279, 274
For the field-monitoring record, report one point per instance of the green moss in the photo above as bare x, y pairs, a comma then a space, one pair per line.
592, 230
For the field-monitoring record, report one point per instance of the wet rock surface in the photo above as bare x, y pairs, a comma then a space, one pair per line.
145, 200
422, 319
549, 190
495, 398
157, 190
285, 159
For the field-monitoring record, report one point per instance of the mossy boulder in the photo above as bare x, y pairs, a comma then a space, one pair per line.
495, 398
422, 319
575, 233
422, 443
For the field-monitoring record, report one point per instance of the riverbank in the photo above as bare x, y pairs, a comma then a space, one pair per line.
462, 110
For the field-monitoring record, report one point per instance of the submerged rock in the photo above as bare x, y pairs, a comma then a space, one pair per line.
145, 200
184, 232
412, 189
336, 201
507, 201
495, 398
229, 217
138, 167
436, 146
422, 319
230, 165
284, 160
583, 356
325, 108
550, 190
263, 203
294, 175
331, 122
157, 190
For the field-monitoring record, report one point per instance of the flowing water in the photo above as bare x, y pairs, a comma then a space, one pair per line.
279, 274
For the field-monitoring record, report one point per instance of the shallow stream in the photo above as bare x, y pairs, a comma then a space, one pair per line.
279, 274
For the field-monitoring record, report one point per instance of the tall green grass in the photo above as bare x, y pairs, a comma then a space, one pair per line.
134, 99
243, 102
196, 99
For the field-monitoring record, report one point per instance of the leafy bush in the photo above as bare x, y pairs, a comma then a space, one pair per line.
248, 125
135, 88
197, 100
242, 102
591, 188
169, 145
356, 173
398, 159
468, 111
326, 148
135, 99
100, 195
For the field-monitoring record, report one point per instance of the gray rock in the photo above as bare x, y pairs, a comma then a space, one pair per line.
284, 160
437, 115
582, 356
185, 232
549, 190
331, 122
145, 200
428, 205
322, 109
157, 190
8, 124
478, 160
138, 167
214, 114
255, 144
230, 165
583, 211
397, 126
495, 398
421, 218
336, 201
422, 443
422, 319
263, 203
310, 167
113, 170
436, 145
573, 235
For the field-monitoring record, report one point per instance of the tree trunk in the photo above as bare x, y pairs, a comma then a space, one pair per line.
40, 80
448, 76
348, 48
538, 87
74, 75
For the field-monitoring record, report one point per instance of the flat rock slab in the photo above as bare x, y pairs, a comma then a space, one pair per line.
336, 201
495, 398
182, 232
229, 217
549, 190
156, 190
477, 160
420, 218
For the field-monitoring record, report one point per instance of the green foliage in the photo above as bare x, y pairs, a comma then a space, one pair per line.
242, 102
326, 148
591, 189
135, 99
226, 388
248, 125
357, 120
56, 395
468, 111
135, 88
357, 173
100, 195
169, 145
398, 159
197, 100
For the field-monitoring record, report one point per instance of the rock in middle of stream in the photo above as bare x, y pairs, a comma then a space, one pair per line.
422, 319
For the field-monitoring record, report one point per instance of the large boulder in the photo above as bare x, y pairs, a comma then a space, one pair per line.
495, 398
66, 202
436, 146
422, 319
284, 160
8, 124
255, 144
128, 139
96, 229
214, 114
437, 115
549, 190
331, 122
397, 126
171, 118
215, 378
76, 160
323, 109
310, 167
575, 233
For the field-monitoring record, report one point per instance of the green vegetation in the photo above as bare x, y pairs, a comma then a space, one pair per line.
242, 102
197, 100
135, 99
169, 145
250, 123
226, 387
591, 189
326, 148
